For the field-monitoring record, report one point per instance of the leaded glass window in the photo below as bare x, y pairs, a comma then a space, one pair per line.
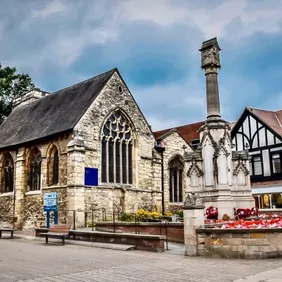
176, 180
55, 175
34, 181
53, 166
8, 174
117, 150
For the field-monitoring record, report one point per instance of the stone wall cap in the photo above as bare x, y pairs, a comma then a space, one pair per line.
149, 224
237, 230
194, 208
111, 234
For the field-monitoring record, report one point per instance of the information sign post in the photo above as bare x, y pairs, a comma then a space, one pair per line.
51, 204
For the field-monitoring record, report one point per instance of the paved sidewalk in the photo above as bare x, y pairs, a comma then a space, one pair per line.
273, 275
31, 261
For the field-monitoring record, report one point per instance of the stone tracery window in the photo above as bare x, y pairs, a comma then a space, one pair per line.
8, 174
34, 179
117, 150
53, 166
176, 180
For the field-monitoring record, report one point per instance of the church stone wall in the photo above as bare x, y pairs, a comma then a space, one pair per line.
29, 204
174, 145
6, 210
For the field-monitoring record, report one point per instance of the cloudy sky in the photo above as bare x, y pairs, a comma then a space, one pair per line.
154, 44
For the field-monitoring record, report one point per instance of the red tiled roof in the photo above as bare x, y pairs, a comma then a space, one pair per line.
271, 118
189, 131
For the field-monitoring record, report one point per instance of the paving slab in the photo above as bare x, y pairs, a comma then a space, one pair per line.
31, 261
273, 275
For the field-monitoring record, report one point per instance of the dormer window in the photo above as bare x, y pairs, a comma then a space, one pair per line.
195, 143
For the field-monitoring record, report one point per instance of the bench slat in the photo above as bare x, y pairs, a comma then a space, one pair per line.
57, 231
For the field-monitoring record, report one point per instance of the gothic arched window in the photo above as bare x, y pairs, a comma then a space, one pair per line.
8, 174
53, 166
117, 150
176, 180
34, 180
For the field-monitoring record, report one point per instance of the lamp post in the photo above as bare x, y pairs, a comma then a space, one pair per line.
160, 148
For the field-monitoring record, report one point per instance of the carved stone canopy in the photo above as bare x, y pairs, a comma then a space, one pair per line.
210, 53
193, 201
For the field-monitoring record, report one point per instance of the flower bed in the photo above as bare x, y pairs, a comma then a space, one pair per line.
212, 213
247, 224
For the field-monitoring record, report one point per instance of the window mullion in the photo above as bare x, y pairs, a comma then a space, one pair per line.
107, 160
114, 160
177, 175
127, 163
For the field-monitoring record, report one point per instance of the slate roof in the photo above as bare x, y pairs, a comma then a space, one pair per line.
58, 112
272, 119
210, 43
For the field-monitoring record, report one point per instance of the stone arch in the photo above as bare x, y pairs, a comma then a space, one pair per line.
241, 166
128, 118
7, 173
34, 161
117, 137
174, 157
176, 178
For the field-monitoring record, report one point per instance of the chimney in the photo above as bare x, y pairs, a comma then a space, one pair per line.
29, 97
211, 63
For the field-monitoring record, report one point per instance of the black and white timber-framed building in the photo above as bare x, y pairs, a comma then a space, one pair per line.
260, 132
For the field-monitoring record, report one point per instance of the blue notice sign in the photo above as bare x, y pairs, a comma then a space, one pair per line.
91, 176
51, 201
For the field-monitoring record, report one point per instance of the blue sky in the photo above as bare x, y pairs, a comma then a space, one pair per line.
154, 44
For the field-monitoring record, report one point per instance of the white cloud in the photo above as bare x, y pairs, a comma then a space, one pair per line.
102, 22
51, 8
211, 21
65, 49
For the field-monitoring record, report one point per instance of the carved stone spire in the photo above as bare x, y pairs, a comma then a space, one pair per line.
211, 63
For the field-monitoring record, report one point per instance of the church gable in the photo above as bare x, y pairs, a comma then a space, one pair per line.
117, 137
258, 131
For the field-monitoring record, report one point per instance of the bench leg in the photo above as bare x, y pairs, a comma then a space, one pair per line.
12, 234
0, 234
46, 239
63, 240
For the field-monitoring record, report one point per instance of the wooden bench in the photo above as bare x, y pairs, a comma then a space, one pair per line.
7, 230
57, 231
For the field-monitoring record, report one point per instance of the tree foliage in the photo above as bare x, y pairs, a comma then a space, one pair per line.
12, 85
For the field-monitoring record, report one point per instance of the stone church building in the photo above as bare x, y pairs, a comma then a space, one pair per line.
49, 139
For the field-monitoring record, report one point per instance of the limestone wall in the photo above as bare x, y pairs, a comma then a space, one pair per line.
240, 243
29, 204
34, 216
89, 127
174, 147
118, 200
6, 210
